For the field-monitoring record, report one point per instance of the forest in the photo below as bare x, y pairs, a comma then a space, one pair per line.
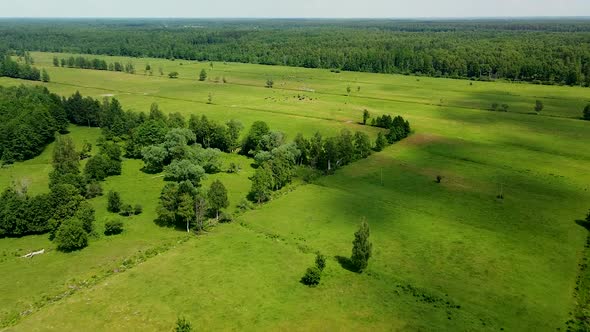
539, 51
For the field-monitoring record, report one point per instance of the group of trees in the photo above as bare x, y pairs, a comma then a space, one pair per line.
186, 206
29, 119
397, 126
25, 71
542, 51
277, 159
63, 212
96, 64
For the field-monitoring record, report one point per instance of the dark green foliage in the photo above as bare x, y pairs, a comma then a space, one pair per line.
211, 134
29, 119
183, 325
528, 50
178, 204
380, 142
114, 202
11, 68
320, 261
270, 83
262, 184
126, 210
137, 209
176, 120
93, 189
312, 277
203, 75
366, 116
96, 168
173, 74
185, 170
85, 215
217, 197
586, 113
539, 106
113, 227
83, 111
361, 247
45, 76
21, 214
71, 236
588, 217
254, 138
151, 132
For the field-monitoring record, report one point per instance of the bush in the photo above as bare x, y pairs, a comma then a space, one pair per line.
114, 202
113, 227
94, 189
138, 209
320, 261
312, 276
126, 210
245, 205
173, 74
183, 325
225, 217
71, 236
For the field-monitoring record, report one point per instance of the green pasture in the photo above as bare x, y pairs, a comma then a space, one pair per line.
448, 256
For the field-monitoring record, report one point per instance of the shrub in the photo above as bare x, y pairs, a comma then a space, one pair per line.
94, 189
173, 74
113, 227
126, 210
320, 261
71, 236
114, 202
183, 325
245, 205
225, 217
438, 179
312, 276
138, 209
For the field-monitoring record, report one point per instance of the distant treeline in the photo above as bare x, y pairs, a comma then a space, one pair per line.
96, 64
540, 51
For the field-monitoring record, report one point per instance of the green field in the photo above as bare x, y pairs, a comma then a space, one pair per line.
482, 263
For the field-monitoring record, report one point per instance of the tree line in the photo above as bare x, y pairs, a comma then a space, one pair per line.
545, 52
25, 71
96, 64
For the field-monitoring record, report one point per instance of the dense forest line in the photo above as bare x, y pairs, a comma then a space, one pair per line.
540, 51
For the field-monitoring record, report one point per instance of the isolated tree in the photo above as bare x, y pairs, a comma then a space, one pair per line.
361, 247
366, 116
203, 75
210, 98
173, 74
539, 106
312, 277
113, 227
270, 83
148, 67
348, 89
505, 107
71, 236
114, 202
217, 197
45, 76
55, 61
320, 261
586, 113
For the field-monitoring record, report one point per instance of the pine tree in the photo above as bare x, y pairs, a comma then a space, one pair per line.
203, 75
361, 247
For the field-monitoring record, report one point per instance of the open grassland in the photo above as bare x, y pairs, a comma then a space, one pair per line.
447, 256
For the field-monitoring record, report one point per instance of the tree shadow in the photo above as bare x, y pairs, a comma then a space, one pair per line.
346, 264
584, 223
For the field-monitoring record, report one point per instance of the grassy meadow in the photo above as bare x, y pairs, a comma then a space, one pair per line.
448, 256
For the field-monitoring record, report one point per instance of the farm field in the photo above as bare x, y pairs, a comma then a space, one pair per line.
448, 256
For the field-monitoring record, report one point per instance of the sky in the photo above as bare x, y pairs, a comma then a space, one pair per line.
290, 8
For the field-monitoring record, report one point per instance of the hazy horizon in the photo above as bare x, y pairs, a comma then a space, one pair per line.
303, 9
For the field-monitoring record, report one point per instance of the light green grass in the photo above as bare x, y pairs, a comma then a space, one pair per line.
508, 263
